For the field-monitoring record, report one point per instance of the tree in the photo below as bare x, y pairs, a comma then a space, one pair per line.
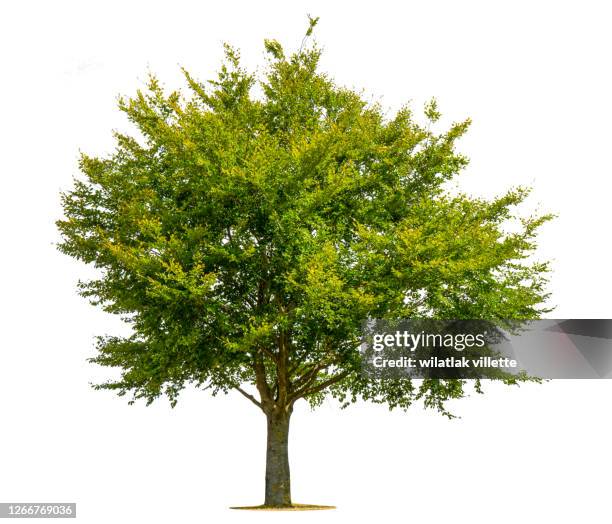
248, 228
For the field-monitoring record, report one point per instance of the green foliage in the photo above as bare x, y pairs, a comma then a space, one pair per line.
245, 237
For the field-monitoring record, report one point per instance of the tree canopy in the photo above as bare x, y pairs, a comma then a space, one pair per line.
248, 227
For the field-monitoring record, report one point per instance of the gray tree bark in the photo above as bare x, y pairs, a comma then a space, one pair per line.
278, 479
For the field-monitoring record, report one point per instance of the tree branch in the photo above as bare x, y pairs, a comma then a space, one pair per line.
306, 378
260, 380
248, 395
310, 372
320, 387
273, 356
281, 369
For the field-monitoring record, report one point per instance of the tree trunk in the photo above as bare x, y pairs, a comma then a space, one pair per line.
278, 482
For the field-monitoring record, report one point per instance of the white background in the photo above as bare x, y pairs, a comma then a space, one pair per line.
533, 76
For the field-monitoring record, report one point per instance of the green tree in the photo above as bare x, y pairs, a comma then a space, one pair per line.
249, 228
